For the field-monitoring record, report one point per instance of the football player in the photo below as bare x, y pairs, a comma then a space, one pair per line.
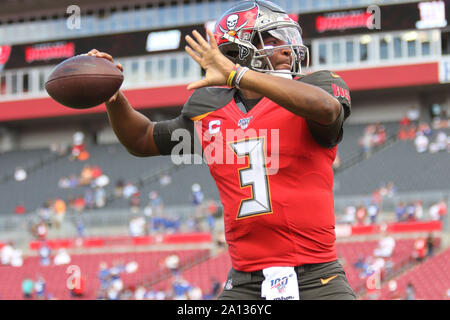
279, 216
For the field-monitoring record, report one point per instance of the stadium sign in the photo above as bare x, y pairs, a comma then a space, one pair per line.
406, 16
432, 15
5, 52
49, 51
121, 45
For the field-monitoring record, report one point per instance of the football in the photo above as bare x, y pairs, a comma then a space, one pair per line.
83, 81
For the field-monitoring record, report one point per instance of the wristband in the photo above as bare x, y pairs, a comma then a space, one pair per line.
239, 76
232, 76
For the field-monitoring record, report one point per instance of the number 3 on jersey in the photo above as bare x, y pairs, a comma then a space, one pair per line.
255, 176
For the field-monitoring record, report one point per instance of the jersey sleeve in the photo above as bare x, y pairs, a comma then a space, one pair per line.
206, 100
169, 133
330, 135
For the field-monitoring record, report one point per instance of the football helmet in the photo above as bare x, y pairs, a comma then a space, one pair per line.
244, 26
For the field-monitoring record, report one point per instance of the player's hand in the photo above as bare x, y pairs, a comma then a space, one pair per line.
104, 55
208, 56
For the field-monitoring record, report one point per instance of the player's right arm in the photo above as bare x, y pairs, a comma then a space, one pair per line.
137, 133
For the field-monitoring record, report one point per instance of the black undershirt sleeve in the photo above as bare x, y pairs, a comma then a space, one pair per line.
330, 135
169, 133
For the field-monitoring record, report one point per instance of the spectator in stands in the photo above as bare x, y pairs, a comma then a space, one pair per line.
420, 249
410, 292
116, 283
393, 293
372, 212
411, 132
194, 293
44, 254
421, 142
418, 210
118, 188
81, 230
44, 213
367, 140
197, 197
20, 208
39, 287
20, 174
430, 243
400, 211
62, 257
27, 287
7, 253
104, 275
385, 247
360, 264
425, 129
405, 121
438, 210
442, 209
379, 137
59, 212
16, 258
129, 189
215, 290
165, 180
78, 204
100, 197
156, 202
180, 288
441, 141
40, 230
139, 293
172, 263
411, 211
135, 202
78, 146
361, 214
137, 226
413, 114
89, 200
349, 214
86, 175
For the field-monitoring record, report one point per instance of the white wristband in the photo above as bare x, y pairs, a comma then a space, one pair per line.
239, 76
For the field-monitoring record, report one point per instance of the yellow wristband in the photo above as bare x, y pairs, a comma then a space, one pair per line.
230, 81
231, 78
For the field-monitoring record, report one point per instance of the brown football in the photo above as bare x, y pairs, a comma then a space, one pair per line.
83, 81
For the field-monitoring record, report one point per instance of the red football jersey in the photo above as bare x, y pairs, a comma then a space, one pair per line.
275, 183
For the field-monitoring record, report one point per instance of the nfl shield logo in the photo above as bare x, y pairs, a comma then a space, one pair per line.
243, 123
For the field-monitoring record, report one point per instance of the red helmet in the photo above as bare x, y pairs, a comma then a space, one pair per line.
245, 25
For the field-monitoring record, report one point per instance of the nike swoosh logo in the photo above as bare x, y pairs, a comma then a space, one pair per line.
334, 75
325, 281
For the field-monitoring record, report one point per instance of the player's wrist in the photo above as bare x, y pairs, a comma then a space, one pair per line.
235, 76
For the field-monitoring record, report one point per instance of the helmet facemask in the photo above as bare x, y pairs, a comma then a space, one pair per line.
291, 36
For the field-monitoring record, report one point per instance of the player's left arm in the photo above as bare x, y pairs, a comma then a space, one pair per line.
330, 135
